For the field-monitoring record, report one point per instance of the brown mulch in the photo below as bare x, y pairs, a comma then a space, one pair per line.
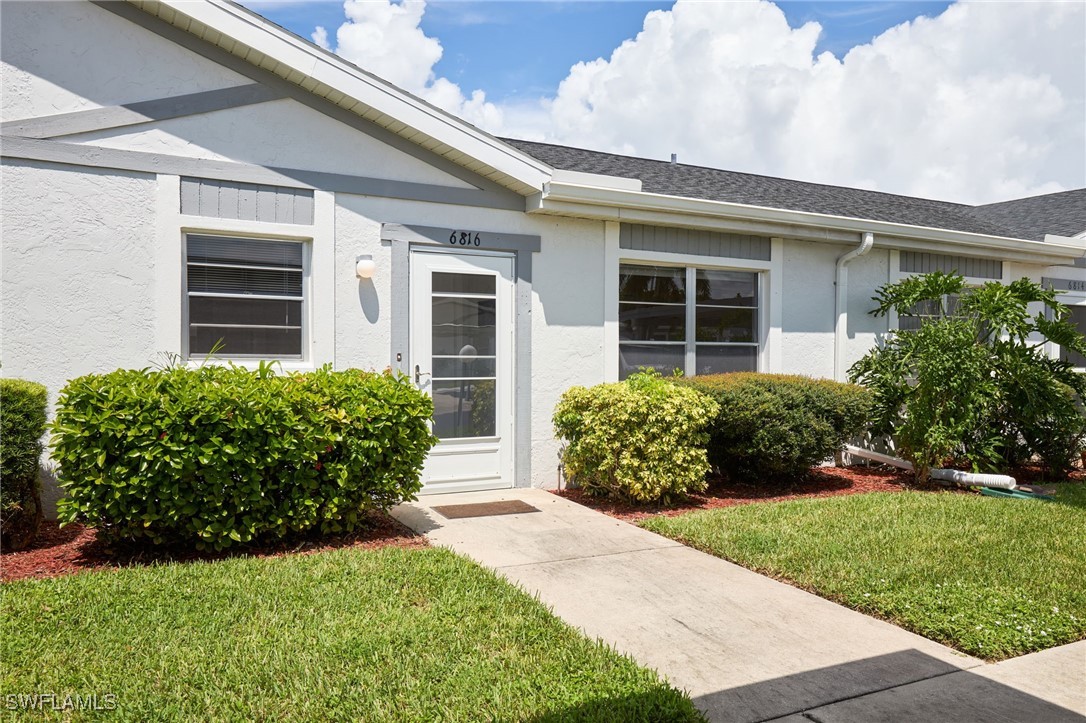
74, 548
819, 482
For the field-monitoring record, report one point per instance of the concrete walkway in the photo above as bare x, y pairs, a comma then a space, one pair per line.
745, 647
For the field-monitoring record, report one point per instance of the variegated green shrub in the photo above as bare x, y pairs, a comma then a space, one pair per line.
640, 440
222, 455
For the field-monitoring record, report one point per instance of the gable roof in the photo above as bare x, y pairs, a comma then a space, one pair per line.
1027, 218
262, 43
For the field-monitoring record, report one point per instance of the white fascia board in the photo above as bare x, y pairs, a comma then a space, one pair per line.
328, 69
596, 180
887, 233
1051, 238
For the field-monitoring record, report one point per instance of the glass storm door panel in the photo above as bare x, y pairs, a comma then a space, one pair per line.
462, 328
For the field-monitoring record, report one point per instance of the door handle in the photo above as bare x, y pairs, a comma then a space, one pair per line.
418, 374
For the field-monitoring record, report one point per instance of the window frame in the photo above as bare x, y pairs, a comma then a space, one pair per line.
305, 353
691, 266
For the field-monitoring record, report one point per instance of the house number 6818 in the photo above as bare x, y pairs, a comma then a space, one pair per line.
464, 238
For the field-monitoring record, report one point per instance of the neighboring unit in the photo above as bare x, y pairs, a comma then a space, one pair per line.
181, 176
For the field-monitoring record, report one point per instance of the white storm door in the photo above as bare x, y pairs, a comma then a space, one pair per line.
462, 328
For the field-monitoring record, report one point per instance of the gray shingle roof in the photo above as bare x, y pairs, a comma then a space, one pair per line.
1027, 218
1063, 214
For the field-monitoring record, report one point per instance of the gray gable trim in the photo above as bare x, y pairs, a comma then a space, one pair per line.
101, 157
913, 262
692, 241
460, 238
1054, 212
246, 201
301, 95
148, 111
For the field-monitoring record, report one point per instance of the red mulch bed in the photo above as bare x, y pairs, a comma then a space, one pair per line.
75, 548
819, 482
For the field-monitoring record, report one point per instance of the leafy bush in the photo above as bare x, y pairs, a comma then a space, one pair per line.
973, 383
773, 426
22, 424
223, 455
640, 440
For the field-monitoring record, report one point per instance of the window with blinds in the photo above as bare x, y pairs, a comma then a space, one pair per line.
245, 297
698, 321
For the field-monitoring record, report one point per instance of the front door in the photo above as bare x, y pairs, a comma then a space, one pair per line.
462, 328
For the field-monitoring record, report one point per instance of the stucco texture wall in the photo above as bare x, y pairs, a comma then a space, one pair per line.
807, 318
59, 57
78, 272
866, 275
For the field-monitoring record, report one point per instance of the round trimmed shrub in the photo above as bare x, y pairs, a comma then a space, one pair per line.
223, 455
22, 425
775, 426
640, 440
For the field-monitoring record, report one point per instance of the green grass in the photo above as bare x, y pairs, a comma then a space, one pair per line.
346, 635
992, 577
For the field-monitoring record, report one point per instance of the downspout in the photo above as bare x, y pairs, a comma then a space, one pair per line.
840, 330
1001, 481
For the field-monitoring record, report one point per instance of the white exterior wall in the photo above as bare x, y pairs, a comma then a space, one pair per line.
807, 315
59, 57
865, 275
78, 286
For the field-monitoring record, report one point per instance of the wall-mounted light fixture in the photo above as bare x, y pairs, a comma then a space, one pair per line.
365, 267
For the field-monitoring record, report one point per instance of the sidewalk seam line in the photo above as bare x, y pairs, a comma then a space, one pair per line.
804, 711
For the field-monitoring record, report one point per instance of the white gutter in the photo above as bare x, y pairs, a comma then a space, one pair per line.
840, 329
630, 206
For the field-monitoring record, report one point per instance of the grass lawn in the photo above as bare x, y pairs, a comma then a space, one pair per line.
387, 634
991, 577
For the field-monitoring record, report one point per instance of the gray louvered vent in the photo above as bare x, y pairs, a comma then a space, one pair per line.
246, 201
693, 241
914, 262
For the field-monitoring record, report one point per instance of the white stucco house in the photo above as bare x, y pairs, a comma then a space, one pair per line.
180, 172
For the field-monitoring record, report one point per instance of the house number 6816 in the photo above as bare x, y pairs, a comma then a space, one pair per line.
464, 238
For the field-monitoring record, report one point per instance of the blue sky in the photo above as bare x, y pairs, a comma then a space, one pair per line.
523, 49
974, 102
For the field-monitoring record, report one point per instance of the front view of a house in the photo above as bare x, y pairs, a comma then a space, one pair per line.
186, 178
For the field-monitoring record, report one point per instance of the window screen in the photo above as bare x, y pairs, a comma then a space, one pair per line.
245, 297
699, 321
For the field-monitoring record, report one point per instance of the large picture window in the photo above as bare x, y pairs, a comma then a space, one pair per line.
245, 297
699, 321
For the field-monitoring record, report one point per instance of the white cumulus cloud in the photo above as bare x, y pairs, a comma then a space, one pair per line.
386, 39
984, 102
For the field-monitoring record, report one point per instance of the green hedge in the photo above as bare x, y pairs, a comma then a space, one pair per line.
22, 425
641, 440
218, 455
773, 426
